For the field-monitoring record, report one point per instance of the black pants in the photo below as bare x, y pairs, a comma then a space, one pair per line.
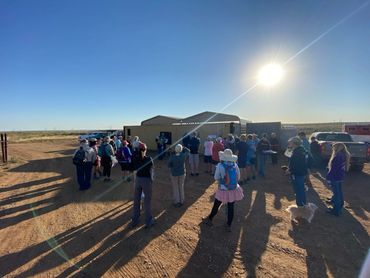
230, 211
106, 162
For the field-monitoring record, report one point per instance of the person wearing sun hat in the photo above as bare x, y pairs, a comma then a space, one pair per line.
176, 163
227, 175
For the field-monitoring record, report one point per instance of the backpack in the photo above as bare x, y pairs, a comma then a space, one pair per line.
230, 180
121, 155
102, 151
79, 157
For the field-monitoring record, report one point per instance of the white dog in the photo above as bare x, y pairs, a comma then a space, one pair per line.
307, 212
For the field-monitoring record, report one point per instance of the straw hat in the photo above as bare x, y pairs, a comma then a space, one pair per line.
227, 155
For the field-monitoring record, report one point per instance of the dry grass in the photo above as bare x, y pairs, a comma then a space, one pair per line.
32, 136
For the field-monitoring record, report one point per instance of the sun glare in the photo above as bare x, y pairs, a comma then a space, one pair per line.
270, 75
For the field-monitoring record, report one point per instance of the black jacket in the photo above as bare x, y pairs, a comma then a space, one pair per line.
298, 162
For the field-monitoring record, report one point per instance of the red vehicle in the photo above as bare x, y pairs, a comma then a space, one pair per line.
359, 132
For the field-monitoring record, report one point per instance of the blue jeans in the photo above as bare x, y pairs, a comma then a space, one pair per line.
337, 198
299, 190
261, 162
84, 175
142, 185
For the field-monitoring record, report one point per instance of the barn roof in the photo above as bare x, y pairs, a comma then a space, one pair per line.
207, 116
160, 120
210, 117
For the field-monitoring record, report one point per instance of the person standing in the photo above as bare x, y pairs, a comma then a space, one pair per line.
218, 146
118, 142
305, 143
124, 158
106, 152
251, 157
84, 158
208, 145
338, 164
194, 143
144, 167
97, 164
275, 146
262, 146
297, 169
242, 149
230, 142
185, 140
316, 152
112, 142
176, 163
227, 175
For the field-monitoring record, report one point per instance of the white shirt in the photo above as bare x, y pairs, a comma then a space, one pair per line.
208, 145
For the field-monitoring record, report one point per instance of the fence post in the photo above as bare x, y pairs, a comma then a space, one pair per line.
6, 148
2, 147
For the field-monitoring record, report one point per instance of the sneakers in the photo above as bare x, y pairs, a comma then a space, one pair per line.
228, 228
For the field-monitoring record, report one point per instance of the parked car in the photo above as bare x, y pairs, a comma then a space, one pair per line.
97, 135
359, 151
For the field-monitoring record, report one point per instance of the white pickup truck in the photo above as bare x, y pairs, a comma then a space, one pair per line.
359, 151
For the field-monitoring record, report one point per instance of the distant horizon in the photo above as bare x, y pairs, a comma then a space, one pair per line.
104, 129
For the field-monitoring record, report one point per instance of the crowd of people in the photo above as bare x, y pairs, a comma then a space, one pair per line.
232, 161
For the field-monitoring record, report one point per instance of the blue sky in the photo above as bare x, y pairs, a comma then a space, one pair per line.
102, 64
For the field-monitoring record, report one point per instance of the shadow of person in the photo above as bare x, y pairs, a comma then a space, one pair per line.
355, 198
216, 248
65, 246
117, 250
106, 242
276, 183
37, 196
255, 233
335, 245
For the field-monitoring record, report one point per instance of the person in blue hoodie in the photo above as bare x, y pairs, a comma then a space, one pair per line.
337, 166
298, 169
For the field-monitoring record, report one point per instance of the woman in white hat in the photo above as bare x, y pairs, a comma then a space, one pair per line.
176, 164
227, 175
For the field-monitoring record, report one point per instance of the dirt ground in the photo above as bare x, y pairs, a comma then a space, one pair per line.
50, 229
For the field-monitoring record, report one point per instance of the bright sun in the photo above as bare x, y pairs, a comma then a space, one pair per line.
270, 75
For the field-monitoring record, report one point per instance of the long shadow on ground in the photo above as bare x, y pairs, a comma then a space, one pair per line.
107, 239
333, 244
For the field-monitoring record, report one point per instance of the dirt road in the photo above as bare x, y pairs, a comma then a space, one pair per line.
50, 229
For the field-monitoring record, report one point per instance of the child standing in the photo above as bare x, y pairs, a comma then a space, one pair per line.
338, 165
227, 175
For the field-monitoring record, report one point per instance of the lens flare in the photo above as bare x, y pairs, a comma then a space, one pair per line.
270, 75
